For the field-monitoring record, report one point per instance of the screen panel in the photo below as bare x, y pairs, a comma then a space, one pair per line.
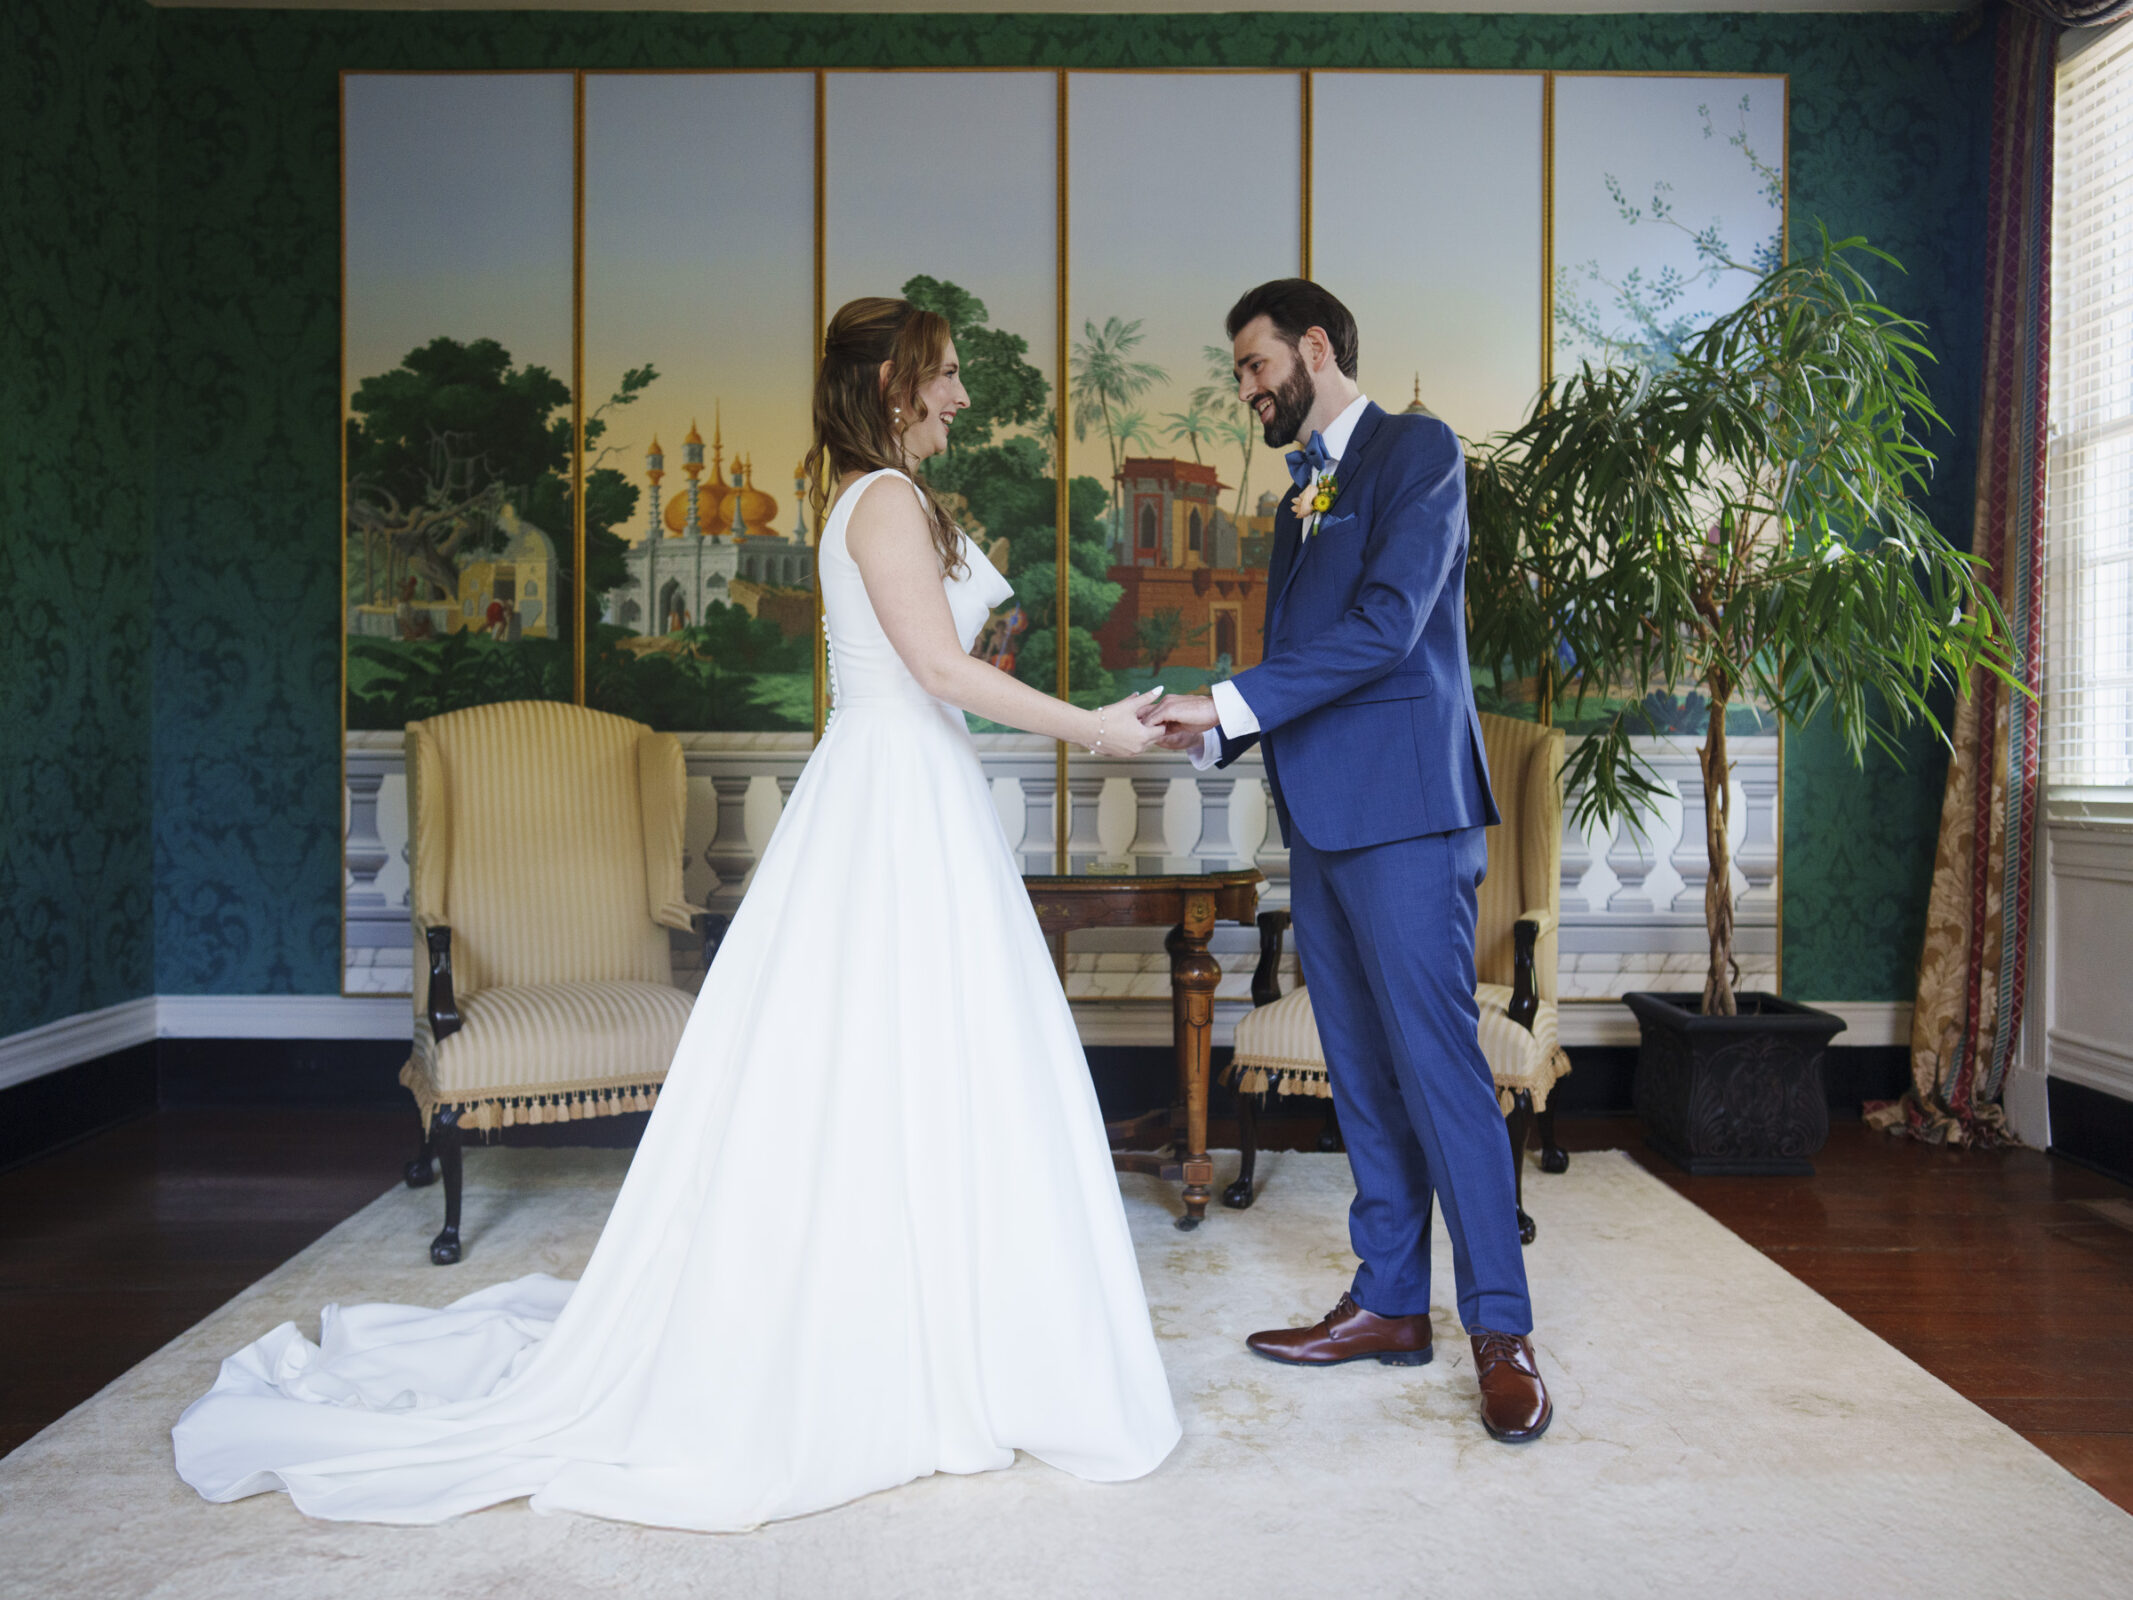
968, 228
1184, 191
1669, 204
1426, 213
699, 367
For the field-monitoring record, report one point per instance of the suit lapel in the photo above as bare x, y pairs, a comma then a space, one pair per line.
1288, 530
1283, 561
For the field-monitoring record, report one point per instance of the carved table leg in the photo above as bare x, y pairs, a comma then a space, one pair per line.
445, 1135
1193, 976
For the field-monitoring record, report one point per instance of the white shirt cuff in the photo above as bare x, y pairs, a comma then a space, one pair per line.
1236, 717
1209, 753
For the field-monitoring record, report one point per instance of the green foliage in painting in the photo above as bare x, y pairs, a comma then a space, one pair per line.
395, 681
729, 671
1005, 390
441, 443
1091, 597
1162, 635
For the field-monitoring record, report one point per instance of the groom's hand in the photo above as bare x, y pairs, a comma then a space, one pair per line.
1187, 716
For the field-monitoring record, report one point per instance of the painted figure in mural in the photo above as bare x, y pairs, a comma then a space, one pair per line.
858, 1244
1364, 710
410, 621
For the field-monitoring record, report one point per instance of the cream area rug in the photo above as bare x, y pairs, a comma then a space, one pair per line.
1720, 1430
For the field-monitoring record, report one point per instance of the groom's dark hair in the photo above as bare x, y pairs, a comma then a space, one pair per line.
1295, 305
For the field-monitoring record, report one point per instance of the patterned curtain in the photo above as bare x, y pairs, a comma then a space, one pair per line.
1967, 1018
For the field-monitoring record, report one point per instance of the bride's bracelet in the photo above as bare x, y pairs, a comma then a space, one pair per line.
1096, 745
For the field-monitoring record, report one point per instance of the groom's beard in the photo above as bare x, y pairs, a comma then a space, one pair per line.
1293, 398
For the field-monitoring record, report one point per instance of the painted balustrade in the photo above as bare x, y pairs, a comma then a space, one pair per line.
1631, 900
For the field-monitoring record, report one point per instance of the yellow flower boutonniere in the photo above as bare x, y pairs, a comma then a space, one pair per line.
1314, 500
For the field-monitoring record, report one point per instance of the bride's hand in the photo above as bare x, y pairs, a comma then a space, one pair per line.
1123, 731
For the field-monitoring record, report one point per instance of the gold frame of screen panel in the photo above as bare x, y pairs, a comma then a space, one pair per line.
1307, 87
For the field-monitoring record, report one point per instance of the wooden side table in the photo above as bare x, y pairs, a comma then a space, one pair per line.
1192, 904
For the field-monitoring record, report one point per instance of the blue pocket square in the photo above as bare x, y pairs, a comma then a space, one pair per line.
1333, 522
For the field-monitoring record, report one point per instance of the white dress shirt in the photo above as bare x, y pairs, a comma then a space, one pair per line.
1236, 717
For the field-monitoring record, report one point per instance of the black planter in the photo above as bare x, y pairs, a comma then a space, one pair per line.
1733, 1095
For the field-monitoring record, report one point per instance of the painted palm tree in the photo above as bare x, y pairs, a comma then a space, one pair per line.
1105, 377
1134, 429
1191, 425
1235, 423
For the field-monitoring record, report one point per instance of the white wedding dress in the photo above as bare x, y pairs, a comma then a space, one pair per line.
872, 1231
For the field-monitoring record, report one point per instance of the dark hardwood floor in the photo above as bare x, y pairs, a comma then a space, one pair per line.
1987, 1268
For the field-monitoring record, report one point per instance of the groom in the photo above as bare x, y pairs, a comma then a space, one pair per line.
1365, 712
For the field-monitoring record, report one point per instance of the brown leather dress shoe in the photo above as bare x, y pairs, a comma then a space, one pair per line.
1514, 1402
1348, 1333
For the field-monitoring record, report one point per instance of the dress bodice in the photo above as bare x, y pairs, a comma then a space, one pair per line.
863, 665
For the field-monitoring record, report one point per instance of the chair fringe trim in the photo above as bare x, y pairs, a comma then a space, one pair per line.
1259, 1077
1281, 1077
480, 1113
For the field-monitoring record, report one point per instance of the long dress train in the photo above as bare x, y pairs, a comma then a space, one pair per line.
871, 1232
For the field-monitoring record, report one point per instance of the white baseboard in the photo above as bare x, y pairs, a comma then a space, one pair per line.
68, 1042
2100, 1064
284, 1016
71, 1040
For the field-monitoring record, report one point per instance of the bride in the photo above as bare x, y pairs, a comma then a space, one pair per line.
872, 1230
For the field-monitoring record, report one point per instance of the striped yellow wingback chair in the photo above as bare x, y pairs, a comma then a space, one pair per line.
545, 871
1514, 964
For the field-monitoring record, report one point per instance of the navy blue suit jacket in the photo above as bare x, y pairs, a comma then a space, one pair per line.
1364, 700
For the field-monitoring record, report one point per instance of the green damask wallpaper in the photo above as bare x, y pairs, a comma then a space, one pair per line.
77, 458
1888, 116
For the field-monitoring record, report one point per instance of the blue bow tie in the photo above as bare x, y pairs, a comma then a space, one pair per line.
1307, 463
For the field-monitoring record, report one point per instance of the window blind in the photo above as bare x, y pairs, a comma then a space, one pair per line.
2089, 506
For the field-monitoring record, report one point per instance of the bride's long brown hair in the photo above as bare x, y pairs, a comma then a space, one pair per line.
856, 426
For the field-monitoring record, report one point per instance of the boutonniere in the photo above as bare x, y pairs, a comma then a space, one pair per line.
1314, 500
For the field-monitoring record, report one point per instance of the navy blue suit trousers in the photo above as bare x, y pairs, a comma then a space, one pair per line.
1386, 935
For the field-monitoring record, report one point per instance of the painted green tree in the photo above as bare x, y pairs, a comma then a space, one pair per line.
440, 449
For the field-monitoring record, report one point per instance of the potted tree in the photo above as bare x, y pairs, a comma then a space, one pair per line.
1741, 520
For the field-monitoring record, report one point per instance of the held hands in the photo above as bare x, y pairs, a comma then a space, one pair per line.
1120, 726
1183, 721
1146, 721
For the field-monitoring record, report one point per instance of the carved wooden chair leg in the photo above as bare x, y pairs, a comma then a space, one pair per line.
1329, 1132
1554, 1158
1517, 1126
446, 1137
1238, 1195
422, 1172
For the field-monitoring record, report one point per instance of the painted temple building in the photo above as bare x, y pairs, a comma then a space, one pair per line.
714, 542
1178, 551
1181, 552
